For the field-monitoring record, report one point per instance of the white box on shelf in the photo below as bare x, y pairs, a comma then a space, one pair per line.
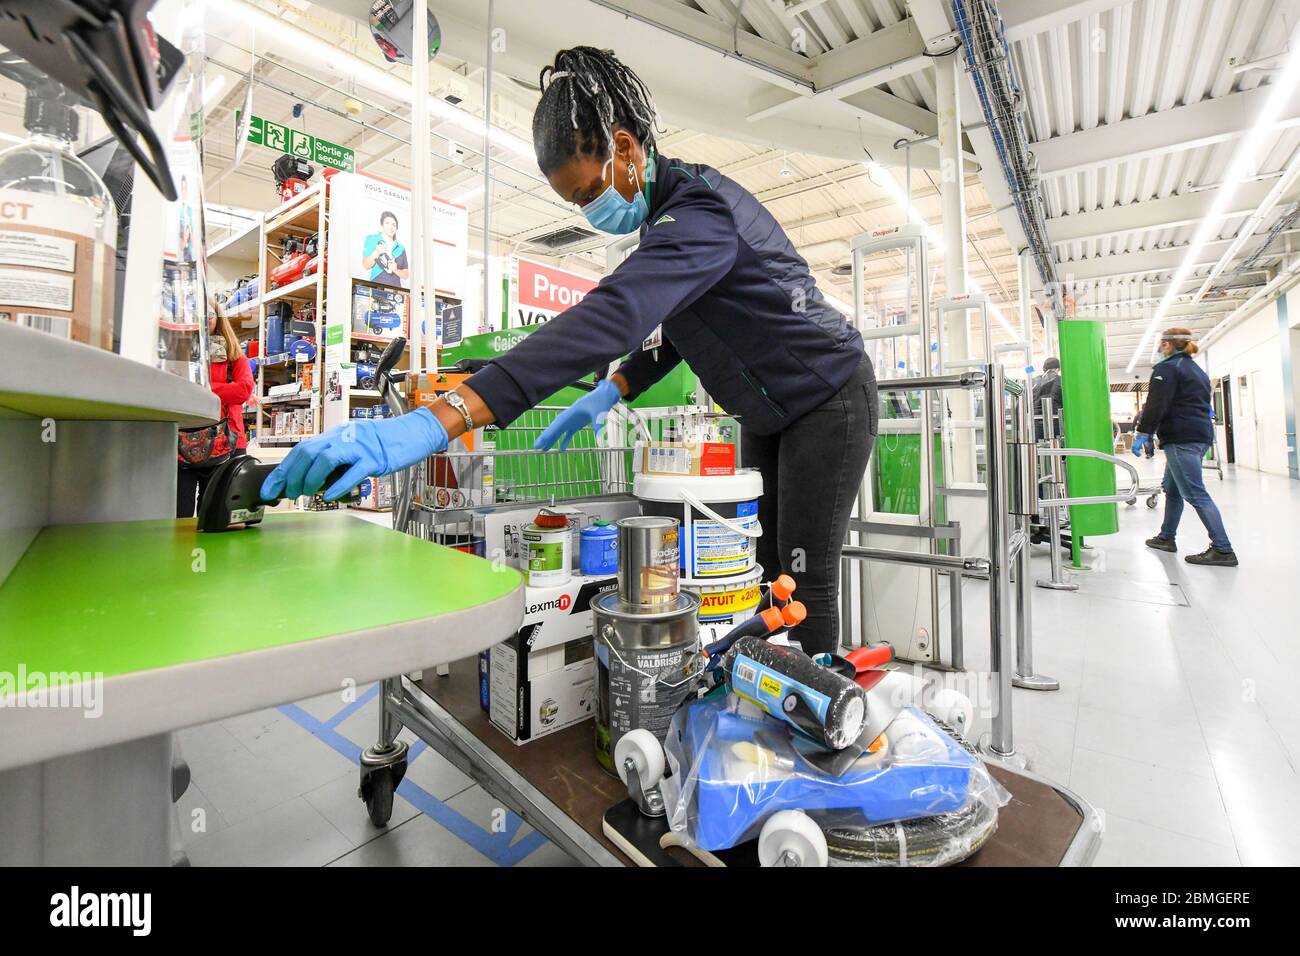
533, 693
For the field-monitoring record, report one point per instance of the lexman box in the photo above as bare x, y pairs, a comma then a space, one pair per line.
557, 615
533, 692
541, 679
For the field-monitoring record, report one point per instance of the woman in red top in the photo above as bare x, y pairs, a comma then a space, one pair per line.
232, 381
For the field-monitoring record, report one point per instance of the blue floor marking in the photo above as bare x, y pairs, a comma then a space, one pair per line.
497, 847
353, 707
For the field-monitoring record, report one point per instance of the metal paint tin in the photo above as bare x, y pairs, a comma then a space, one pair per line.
548, 550
648, 561
647, 665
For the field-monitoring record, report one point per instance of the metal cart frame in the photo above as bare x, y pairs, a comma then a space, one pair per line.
1014, 495
590, 471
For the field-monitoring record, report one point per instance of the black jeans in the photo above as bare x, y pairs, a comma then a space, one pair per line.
811, 474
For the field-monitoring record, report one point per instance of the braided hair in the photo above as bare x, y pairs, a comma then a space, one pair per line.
586, 94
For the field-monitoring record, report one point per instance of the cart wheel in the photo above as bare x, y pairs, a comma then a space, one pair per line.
646, 753
1131, 502
1152, 501
790, 838
953, 708
378, 785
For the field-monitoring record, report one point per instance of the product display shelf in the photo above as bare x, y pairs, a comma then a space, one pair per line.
303, 216
355, 395
305, 204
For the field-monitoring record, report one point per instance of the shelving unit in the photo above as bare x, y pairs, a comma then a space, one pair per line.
303, 216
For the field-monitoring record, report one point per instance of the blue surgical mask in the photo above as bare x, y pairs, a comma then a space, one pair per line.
610, 212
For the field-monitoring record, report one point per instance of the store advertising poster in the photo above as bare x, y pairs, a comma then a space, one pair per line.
542, 292
375, 216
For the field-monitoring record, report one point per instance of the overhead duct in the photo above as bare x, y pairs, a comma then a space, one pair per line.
988, 61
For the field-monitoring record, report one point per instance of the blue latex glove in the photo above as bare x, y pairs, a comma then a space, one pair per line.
1139, 443
592, 409
370, 446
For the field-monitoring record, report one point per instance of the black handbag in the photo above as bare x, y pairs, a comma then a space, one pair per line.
211, 444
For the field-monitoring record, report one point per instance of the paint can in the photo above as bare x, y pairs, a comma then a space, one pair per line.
647, 665
598, 549
548, 549
648, 549
718, 516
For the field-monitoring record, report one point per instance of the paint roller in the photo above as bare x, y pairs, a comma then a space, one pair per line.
818, 702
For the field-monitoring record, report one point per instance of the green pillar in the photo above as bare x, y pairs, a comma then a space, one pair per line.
1085, 400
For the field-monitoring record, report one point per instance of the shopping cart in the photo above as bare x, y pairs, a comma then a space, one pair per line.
441, 499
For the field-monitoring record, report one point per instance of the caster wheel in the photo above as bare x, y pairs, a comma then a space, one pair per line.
954, 709
1152, 501
790, 838
1131, 502
381, 772
377, 789
646, 753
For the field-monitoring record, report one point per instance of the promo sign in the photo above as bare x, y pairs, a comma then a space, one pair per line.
543, 292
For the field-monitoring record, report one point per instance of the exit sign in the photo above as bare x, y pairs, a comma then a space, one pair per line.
296, 142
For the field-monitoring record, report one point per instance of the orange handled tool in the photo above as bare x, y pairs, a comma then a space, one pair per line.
873, 655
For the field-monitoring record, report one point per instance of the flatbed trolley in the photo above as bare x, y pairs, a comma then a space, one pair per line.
556, 786
554, 783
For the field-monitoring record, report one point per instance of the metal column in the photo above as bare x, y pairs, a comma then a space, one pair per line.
1026, 507
999, 742
952, 178
421, 190
1055, 490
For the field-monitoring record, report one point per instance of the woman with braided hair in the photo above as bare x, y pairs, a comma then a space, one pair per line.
716, 274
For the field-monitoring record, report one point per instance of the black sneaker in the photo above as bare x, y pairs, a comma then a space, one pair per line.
1214, 558
1162, 544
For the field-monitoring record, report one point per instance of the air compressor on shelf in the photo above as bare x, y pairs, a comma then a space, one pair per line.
291, 175
301, 258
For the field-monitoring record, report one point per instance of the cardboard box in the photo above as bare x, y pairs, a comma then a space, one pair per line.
555, 616
376, 493
535, 692
686, 458
378, 311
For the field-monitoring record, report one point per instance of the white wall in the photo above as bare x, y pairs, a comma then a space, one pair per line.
1252, 351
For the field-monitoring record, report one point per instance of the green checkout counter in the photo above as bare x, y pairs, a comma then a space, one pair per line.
173, 628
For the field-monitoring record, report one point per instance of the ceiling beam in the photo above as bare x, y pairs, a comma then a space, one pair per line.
1026, 18
887, 54
1183, 127
1144, 315
1147, 262
769, 61
1162, 213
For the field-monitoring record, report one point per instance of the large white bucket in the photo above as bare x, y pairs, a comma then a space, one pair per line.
718, 515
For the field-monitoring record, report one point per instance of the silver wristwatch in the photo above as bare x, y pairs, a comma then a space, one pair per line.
457, 402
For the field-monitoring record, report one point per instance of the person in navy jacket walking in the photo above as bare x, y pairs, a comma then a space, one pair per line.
717, 276
1179, 413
